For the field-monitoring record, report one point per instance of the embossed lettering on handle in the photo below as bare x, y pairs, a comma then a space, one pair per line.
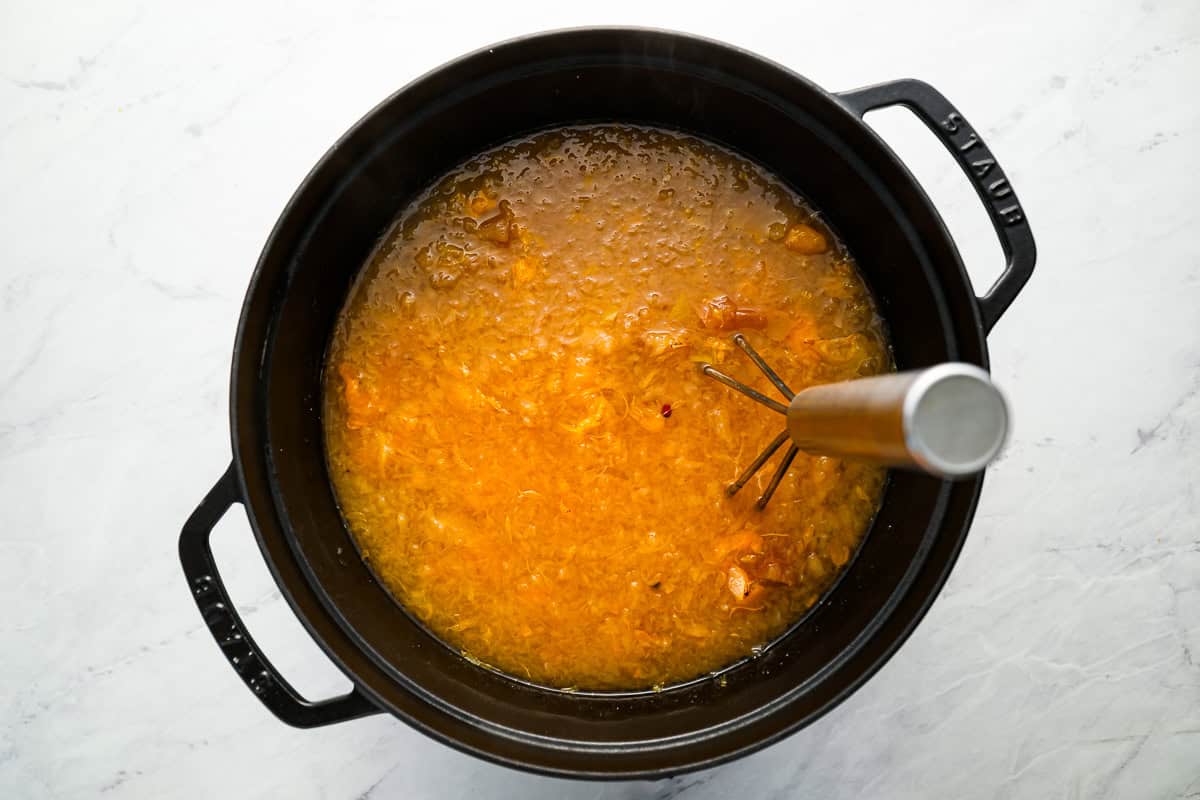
230, 633
981, 168
979, 161
224, 628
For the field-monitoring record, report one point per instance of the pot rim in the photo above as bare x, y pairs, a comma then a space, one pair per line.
262, 518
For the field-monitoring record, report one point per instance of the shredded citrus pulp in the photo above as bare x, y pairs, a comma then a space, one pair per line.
519, 436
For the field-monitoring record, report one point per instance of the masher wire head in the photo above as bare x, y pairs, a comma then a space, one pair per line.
948, 420
762, 458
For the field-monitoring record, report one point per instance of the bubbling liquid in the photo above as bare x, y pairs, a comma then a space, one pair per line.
518, 434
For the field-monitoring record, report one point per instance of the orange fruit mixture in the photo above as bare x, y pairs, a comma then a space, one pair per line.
520, 438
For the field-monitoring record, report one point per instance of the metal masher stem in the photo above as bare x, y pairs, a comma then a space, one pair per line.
774, 405
758, 397
741, 342
761, 503
948, 420
757, 464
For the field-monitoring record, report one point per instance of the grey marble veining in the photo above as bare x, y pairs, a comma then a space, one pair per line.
146, 150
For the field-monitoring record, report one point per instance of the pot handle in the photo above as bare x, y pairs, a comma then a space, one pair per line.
227, 628
981, 169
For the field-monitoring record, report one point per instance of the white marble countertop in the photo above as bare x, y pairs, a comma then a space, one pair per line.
147, 148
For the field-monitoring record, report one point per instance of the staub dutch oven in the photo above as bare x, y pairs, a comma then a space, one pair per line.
815, 141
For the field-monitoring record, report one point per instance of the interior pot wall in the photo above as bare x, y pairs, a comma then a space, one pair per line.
788, 126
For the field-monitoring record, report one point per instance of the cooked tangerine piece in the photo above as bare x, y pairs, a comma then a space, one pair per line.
520, 440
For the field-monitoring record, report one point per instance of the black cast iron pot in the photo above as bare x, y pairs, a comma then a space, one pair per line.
814, 140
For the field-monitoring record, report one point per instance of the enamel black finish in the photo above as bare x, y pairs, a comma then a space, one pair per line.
814, 140
227, 628
981, 169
